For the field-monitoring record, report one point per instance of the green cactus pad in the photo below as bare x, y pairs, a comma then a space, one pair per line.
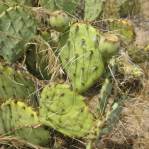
69, 7
17, 26
15, 84
59, 21
93, 9
81, 57
65, 111
123, 28
41, 60
17, 119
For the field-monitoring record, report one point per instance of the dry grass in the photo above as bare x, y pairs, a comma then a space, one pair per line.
132, 131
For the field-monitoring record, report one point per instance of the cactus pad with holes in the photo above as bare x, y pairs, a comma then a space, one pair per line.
65, 111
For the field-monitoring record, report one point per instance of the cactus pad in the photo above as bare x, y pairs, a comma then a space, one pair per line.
81, 57
15, 84
65, 111
69, 7
93, 9
17, 119
17, 26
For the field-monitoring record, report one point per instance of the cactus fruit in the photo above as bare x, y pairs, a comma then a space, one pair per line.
93, 9
81, 57
123, 28
15, 84
65, 111
64, 5
59, 21
109, 45
17, 26
41, 60
17, 119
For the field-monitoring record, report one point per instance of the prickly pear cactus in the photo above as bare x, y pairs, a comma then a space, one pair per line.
123, 28
65, 111
93, 9
81, 57
52, 5
17, 119
59, 21
41, 60
15, 84
17, 26
108, 45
